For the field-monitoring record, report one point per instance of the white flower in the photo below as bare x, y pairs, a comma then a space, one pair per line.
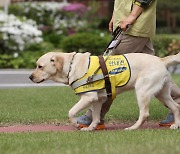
16, 33
38, 40
15, 55
21, 47
101, 34
5, 37
59, 32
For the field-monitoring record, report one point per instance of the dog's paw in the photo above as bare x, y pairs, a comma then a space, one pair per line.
86, 129
76, 125
174, 126
126, 128
129, 128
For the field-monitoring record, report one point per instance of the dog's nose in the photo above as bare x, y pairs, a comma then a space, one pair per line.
31, 77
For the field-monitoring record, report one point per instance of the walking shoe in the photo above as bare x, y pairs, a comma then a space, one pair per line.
168, 121
84, 121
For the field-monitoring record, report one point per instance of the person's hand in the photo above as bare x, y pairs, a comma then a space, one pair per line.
111, 25
127, 21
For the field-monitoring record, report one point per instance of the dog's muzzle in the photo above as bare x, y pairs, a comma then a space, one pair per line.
31, 77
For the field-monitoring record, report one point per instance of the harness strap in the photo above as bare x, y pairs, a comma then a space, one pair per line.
79, 83
106, 76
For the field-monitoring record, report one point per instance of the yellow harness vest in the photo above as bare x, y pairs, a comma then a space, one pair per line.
119, 74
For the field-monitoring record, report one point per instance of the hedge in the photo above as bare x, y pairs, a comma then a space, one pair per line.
81, 42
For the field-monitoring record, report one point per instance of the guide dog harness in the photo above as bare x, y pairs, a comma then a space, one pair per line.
118, 75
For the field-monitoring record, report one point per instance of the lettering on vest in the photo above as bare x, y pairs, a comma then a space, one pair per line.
116, 62
90, 85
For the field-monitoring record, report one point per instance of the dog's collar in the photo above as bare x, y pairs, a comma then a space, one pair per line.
70, 68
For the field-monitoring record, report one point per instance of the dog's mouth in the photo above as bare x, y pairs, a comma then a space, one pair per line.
35, 80
40, 81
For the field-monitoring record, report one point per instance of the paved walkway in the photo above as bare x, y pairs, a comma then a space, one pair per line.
20, 78
12, 78
68, 128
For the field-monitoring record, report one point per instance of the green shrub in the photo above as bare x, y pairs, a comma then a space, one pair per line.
54, 38
27, 58
44, 47
165, 45
82, 42
23, 60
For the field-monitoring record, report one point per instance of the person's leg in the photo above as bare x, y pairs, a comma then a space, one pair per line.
133, 44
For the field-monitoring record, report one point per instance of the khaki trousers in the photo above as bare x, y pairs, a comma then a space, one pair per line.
133, 44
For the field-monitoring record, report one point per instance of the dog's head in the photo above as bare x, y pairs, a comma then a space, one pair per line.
58, 66
47, 67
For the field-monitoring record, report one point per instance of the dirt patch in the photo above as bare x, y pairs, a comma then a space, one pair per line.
68, 128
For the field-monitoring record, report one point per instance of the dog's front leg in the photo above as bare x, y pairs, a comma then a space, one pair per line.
96, 110
85, 101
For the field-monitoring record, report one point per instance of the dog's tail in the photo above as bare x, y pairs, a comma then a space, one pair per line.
171, 60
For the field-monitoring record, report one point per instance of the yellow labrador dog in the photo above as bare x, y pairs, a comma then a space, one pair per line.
149, 77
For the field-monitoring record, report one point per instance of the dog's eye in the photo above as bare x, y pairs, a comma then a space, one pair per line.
52, 60
40, 67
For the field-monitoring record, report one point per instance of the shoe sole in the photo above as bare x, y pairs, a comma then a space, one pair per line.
99, 127
166, 125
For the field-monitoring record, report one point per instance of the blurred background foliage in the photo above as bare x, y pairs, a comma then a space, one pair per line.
80, 26
168, 16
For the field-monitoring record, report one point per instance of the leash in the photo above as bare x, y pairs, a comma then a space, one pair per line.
117, 37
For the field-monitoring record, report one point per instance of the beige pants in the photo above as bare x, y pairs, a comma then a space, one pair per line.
133, 44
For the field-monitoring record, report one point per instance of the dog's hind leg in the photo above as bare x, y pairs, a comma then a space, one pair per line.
165, 97
145, 89
143, 103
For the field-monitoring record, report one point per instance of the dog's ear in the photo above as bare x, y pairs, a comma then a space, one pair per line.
58, 62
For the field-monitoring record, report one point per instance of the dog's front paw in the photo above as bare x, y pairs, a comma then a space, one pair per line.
174, 126
76, 125
74, 122
86, 129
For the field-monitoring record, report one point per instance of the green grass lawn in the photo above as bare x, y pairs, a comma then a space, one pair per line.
51, 105
111, 142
